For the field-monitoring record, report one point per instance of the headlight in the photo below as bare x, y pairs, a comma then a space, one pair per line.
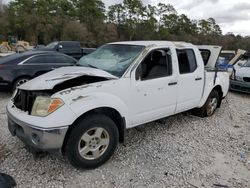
239, 78
44, 106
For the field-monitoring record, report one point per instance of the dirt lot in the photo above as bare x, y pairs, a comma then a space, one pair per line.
179, 151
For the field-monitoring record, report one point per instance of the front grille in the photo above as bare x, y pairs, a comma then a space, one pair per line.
24, 100
246, 79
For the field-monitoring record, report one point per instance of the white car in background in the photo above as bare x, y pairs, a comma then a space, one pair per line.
240, 80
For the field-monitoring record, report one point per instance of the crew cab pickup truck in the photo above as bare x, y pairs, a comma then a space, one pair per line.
71, 48
84, 111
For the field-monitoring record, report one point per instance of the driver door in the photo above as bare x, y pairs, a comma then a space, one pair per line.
154, 88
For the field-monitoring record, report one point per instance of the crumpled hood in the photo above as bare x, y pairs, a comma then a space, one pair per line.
243, 72
49, 80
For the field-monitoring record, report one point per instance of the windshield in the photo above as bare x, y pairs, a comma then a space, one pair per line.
112, 58
247, 64
51, 45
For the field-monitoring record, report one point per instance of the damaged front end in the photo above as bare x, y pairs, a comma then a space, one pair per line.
29, 110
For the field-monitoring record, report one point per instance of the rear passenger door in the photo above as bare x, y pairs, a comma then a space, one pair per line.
190, 81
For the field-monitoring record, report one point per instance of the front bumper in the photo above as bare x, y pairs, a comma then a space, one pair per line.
5, 86
38, 139
240, 86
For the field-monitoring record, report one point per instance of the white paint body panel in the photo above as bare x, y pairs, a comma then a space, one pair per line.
137, 101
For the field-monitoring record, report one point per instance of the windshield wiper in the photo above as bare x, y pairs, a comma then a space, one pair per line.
93, 66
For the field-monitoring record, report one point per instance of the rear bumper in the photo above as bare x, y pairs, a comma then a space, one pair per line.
240, 86
38, 139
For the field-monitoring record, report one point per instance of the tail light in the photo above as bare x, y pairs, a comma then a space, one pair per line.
2, 65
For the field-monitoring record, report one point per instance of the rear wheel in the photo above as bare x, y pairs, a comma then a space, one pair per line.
92, 141
210, 106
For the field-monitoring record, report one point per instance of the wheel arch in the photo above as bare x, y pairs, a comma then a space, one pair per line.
19, 77
218, 88
112, 113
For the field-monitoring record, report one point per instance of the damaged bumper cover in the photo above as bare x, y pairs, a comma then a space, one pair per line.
38, 139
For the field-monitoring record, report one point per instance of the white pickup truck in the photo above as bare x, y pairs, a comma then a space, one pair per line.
84, 111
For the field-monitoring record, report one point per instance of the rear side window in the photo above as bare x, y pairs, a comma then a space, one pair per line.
50, 59
187, 61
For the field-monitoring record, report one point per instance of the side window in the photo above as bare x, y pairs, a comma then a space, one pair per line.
60, 59
50, 59
187, 61
205, 54
36, 60
157, 64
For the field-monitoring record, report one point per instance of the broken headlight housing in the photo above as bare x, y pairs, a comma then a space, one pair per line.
44, 105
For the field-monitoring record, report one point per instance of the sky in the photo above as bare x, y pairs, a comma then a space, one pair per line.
232, 15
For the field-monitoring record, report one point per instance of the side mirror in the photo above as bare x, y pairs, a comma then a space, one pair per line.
60, 47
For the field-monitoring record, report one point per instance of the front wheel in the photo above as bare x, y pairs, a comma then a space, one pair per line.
19, 82
92, 141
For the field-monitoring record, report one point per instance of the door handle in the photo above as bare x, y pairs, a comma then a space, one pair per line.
172, 83
197, 79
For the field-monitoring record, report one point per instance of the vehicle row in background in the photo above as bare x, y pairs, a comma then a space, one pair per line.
18, 68
71, 48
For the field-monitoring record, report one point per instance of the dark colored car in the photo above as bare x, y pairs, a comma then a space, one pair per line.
71, 48
19, 68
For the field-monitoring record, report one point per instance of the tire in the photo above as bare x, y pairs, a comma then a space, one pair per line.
4, 49
209, 108
19, 82
94, 134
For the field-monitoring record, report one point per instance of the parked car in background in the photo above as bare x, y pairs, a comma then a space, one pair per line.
85, 111
71, 48
240, 80
18, 68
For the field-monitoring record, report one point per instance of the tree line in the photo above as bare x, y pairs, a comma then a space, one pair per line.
43, 21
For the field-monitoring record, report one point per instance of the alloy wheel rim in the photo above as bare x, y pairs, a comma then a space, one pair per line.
20, 82
93, 143
212, 105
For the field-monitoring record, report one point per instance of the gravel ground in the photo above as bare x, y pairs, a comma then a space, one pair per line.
179, 151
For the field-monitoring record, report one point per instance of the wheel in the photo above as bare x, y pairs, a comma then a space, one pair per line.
4, 49
210, 106
92, 141
19, 82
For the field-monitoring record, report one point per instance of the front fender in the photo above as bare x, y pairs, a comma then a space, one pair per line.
82, 104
